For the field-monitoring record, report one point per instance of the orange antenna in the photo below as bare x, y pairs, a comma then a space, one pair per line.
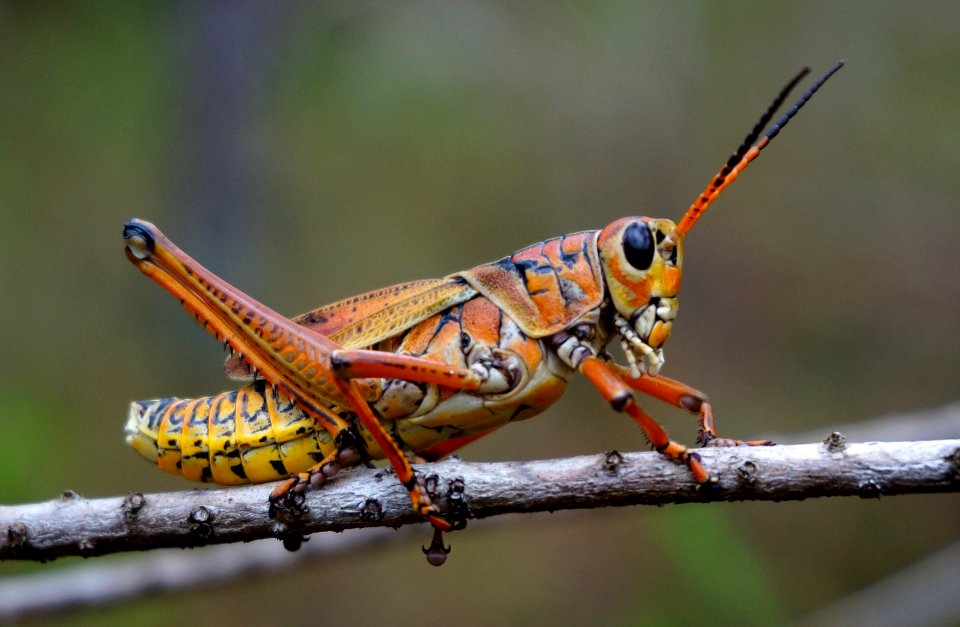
748, 151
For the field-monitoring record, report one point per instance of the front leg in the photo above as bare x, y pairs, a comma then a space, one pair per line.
681, 395
613, 388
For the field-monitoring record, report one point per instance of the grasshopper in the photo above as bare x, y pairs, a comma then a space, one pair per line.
426, 367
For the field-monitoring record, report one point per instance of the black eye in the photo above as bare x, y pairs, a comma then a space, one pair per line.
638, 246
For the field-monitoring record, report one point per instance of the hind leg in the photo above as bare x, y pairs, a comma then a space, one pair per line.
350, 364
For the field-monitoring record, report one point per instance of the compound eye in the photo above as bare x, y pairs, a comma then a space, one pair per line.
638, 246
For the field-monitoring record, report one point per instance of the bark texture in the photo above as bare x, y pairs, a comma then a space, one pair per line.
73, 525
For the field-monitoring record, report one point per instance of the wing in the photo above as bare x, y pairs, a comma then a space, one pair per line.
364, 320
544, 287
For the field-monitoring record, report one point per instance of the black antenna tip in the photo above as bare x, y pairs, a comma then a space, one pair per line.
775, 129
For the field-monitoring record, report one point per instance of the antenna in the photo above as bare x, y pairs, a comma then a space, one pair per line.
746, 153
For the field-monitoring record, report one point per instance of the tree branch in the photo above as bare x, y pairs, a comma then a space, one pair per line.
73, 525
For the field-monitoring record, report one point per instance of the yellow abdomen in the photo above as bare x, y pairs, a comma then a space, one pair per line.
251, 435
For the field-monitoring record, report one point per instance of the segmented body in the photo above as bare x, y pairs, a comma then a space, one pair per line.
254, 434
258, 434
429, 366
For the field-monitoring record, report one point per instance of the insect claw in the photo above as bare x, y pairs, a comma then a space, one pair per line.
437, 553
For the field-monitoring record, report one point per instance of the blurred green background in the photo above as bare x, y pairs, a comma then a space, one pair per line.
307, 152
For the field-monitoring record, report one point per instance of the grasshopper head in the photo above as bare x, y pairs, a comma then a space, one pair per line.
641, 259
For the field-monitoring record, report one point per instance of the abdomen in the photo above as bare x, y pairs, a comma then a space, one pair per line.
251, 435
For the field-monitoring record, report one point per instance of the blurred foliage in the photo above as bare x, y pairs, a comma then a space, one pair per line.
307, 152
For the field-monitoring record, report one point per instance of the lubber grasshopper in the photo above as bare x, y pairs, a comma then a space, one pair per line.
427, 367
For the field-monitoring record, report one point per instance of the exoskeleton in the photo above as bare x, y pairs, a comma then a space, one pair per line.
426, 367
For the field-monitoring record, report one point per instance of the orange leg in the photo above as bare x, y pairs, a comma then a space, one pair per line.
349, 364
437, 553
361, 364
356, 363
614, 389
297, 360
681, 395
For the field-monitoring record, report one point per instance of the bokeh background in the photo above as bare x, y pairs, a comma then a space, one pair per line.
307, 152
